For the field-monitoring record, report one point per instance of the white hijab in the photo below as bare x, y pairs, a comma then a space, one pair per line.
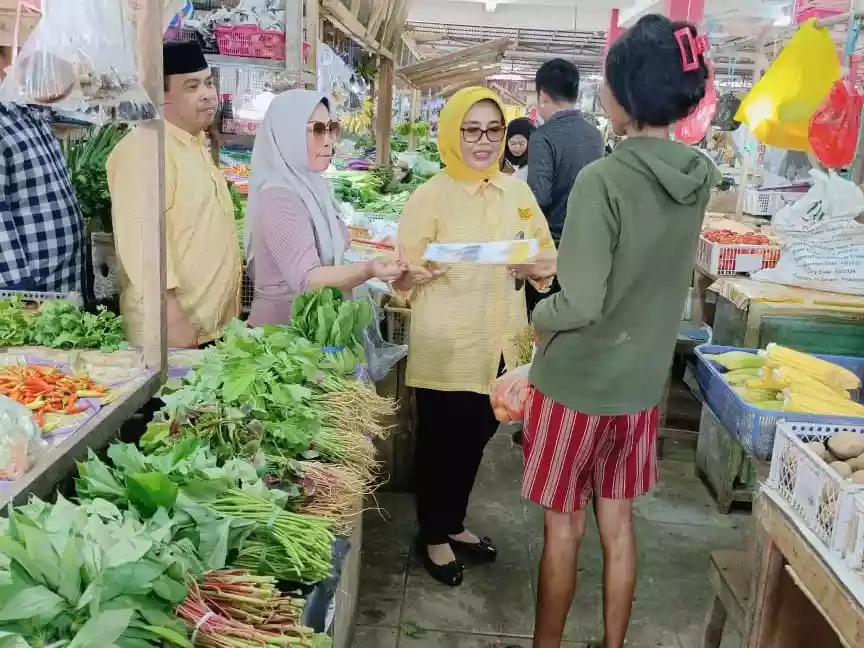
280, 159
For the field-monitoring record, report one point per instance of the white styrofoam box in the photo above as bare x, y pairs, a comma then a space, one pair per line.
823, 499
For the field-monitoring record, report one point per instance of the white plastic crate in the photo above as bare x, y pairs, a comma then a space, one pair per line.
824, 500
855, 556
723, 259
768, 203
40, 298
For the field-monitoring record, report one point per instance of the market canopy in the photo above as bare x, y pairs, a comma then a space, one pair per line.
375, 24
466, 67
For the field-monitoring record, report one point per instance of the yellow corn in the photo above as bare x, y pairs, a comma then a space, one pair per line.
733, 360
807, 404
752, 396
766, 384
805, 383
741, 376
821, 370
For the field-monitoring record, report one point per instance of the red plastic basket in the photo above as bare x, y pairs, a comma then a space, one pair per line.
807, 9
250, 41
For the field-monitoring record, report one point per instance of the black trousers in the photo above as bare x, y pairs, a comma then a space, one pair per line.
453, 430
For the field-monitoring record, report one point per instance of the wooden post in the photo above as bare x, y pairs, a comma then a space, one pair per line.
148, 35
414, 117
313, 37
384, 113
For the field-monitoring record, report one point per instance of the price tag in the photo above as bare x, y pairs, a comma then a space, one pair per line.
807, 492
748, 262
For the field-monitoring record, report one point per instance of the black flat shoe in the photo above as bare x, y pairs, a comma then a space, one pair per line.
479, 552
450, 574
517, 436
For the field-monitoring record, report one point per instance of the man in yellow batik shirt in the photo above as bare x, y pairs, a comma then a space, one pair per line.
202, 251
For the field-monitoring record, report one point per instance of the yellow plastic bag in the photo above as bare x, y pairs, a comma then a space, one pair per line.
779, 107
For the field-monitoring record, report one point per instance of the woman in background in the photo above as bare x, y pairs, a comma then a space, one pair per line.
515, 160
463, 320
295, 240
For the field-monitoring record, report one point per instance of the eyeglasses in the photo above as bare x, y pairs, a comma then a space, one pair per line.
320, 129
474, 134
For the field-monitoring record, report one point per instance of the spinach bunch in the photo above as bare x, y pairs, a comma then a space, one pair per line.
326, 318
90, 577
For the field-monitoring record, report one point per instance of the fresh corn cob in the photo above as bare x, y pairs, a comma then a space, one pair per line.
766, 384
821, 370
805, 383
806, 404
733, 360
741, 376
754, 395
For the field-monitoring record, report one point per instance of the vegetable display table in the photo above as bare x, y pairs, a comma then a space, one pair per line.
802, 598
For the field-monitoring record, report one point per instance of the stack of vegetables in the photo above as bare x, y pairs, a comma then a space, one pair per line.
239, 200
376, 191
59, 324
233, 498
782, 379
47, 391
844, 454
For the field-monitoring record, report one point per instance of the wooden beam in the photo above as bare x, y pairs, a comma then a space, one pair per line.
395, 25
384, 113
148, 35
414, 115
346, 22
499, 44
411, 44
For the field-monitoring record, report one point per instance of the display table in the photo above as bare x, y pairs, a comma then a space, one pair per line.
802, 599
752, 313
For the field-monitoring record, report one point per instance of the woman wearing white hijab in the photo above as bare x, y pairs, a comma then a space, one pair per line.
294, 238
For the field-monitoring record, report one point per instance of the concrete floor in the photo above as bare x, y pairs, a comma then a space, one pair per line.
677, 525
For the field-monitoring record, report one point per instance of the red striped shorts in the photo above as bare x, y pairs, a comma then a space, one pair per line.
570, 457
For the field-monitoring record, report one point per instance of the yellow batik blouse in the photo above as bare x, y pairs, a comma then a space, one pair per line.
202, 250
463, 322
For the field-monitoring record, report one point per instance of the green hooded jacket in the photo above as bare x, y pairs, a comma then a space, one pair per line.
624, 265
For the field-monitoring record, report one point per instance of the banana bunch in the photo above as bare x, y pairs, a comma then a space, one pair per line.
782, 379
359, 121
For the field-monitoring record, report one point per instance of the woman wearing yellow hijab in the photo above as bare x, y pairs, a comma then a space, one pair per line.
463, 319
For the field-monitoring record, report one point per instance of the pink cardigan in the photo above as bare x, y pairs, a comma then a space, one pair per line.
283, 244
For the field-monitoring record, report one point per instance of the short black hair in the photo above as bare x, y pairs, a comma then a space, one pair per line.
559, 79
645, 72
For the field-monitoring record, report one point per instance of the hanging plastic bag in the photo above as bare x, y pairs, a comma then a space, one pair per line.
81, 59
510, 393
20, 439
693, 128
834, 127
779, 107
727, 106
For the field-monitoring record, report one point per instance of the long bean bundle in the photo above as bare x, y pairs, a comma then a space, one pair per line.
305, 540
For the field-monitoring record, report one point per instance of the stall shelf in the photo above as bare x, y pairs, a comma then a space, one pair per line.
801, 595
41, 479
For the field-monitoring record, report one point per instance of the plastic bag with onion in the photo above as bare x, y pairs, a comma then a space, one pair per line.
510, 393
20, 439
81, 59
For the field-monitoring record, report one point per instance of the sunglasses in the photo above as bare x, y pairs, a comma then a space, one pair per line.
473, 134
321, 129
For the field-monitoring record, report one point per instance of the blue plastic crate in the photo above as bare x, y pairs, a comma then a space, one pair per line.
754, 427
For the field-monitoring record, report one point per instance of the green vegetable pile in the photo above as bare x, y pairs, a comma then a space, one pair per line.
86, 159
60, 325
260, 454
239, 200
328, 320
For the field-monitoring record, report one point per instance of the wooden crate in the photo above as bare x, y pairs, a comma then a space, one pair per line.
396, 453
722, 462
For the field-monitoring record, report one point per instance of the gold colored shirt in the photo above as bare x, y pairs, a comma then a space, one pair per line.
202, 251
463, 322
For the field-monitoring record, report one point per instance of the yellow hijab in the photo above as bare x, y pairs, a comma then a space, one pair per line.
450, 135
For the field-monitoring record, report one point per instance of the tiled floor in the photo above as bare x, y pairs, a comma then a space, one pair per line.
678, 526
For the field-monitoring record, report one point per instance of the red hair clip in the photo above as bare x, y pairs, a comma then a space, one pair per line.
698, 45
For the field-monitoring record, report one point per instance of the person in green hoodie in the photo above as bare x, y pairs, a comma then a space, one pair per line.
605, 342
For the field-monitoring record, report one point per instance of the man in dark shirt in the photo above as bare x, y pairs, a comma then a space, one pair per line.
560, 148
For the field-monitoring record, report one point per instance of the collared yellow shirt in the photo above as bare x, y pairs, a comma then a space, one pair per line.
463, 322
202, 251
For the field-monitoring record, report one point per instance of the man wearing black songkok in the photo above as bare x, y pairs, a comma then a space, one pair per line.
202, 251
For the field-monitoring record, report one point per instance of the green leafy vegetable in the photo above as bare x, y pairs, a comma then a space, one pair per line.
13, 326
62, 325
